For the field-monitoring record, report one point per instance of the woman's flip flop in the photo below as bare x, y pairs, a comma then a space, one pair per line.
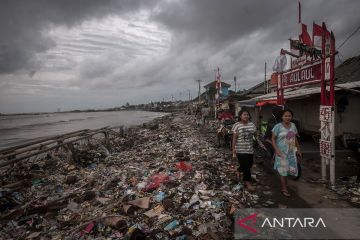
286, 193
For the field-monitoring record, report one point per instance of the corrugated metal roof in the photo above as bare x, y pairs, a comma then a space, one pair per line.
348, 71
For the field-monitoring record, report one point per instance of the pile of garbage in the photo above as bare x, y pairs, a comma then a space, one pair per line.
162, 180
348, 188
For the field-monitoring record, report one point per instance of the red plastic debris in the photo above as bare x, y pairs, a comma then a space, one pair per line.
159, 178
156, 180
88, 229
151, 186
184, 167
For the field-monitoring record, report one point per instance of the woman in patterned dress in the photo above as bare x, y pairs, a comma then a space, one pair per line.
286, 148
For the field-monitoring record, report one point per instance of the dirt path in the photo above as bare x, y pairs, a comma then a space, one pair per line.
305, 192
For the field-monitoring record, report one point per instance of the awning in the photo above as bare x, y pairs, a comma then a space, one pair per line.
247, 103
303, 92
262, 103
270, 98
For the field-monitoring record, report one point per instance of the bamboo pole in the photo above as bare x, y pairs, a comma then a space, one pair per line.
39, 145
11, 149
3, 164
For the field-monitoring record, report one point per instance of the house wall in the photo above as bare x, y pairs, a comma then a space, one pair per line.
212, 91
350, 120
306, 111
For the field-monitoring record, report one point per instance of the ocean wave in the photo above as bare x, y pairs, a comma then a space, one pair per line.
17, 117
41, 124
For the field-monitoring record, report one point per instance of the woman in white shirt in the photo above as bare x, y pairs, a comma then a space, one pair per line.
242, 146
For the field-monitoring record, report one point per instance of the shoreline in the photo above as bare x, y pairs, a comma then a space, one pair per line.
81, 111
60, 125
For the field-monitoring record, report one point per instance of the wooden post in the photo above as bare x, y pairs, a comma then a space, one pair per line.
74, 154
106, 136
121, 131
332, 103
265, 85
323, 97
280, 91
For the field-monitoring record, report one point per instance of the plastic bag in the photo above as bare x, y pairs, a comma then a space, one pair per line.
159, 178
156, 180
184, 167
160, 196
280, 63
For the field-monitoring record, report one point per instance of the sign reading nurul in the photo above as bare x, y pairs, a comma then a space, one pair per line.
307, 74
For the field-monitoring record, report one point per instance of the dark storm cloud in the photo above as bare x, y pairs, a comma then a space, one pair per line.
23, 24
216, 25
102, 47
220, 22
209, 22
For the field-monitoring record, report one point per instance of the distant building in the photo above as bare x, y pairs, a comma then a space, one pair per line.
211, 91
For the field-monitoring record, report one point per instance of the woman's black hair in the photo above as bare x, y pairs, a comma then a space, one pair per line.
287, 110
241, 112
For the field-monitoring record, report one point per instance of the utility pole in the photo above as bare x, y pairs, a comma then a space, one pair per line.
189, 95
235, 83
265, 83
199, 81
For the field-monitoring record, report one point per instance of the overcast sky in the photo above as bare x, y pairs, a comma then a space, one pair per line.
79, 54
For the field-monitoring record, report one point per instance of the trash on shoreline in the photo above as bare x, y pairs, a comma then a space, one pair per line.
165, 180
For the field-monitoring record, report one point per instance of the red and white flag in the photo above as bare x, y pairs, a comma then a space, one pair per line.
317, 36
304, 36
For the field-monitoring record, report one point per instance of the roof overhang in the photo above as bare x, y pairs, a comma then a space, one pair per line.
296, 94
